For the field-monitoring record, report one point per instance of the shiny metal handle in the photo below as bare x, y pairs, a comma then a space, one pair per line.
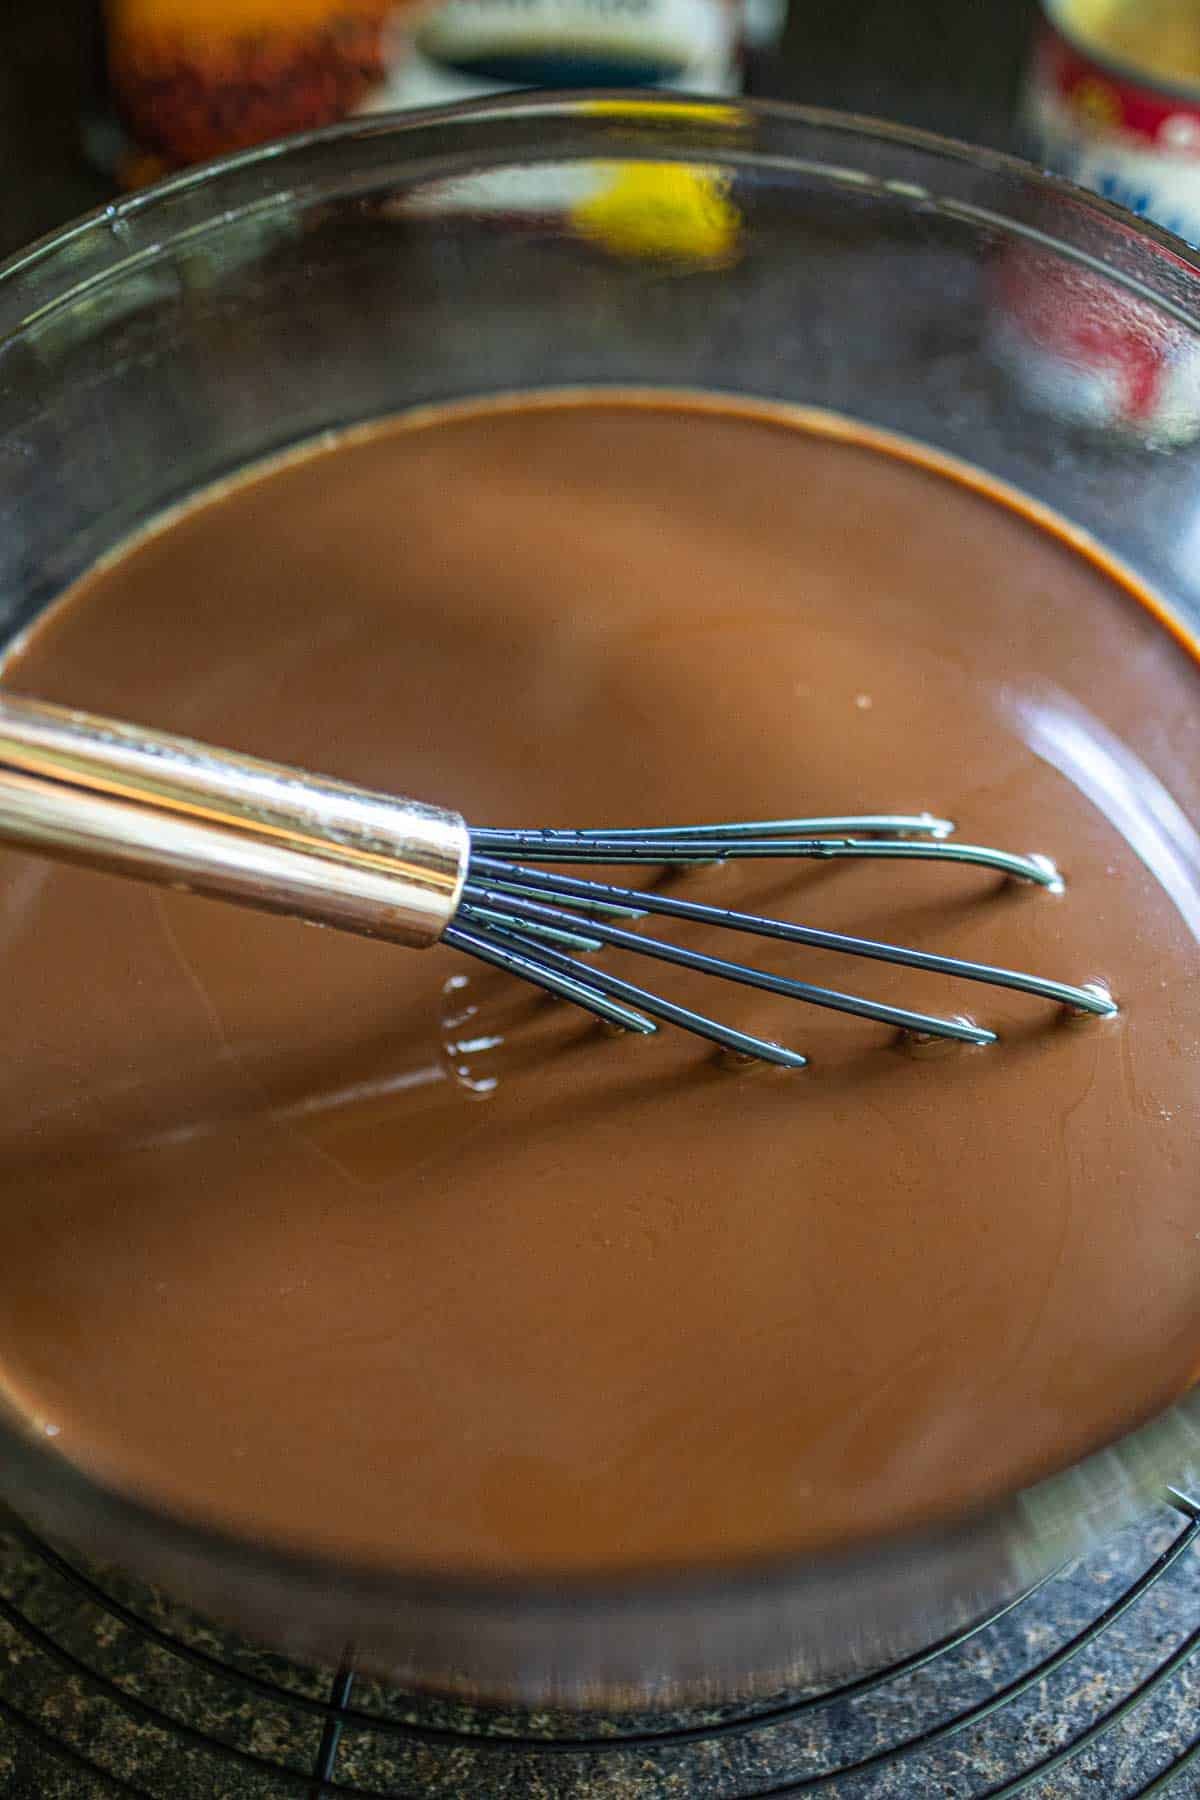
166, 809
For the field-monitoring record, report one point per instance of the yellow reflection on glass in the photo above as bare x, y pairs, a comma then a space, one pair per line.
695, 112
678, 212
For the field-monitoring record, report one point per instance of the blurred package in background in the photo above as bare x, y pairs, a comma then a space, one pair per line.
184, 80
1112, 101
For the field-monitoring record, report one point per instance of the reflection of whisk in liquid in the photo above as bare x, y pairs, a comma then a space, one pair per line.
465, 1044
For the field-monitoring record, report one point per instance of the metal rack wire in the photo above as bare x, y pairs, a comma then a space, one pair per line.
122, 1693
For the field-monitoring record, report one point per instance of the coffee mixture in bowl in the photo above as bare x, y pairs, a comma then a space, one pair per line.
378, 1252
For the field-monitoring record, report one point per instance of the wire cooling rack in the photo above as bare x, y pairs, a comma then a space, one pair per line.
1089, 1685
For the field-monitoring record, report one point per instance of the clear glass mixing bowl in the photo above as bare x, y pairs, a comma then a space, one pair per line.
949, 294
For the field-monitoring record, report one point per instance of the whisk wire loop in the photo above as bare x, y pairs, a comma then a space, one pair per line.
519, 910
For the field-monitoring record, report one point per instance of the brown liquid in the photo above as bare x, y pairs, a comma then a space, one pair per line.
346, 1245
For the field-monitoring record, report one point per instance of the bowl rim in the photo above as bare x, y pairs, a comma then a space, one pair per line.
630, 107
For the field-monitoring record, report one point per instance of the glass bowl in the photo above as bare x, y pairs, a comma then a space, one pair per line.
951, 295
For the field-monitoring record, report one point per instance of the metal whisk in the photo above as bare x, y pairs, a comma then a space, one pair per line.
167, 809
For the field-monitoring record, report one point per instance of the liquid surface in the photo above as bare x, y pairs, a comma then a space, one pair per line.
349, 1246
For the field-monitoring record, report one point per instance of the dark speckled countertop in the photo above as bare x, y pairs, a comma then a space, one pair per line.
171, 1715
147, 1708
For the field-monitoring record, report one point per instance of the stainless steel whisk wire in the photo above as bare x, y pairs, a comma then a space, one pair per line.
167, 809
509, 907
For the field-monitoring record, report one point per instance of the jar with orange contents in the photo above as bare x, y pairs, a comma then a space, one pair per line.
192, 79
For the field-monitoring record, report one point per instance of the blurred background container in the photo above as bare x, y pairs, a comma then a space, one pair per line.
938, 64
1110, 94
1112, 100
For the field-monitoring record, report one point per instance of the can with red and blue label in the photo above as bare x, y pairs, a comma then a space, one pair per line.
1112, 101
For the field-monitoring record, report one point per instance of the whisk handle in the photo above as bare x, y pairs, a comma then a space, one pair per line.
166, 809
